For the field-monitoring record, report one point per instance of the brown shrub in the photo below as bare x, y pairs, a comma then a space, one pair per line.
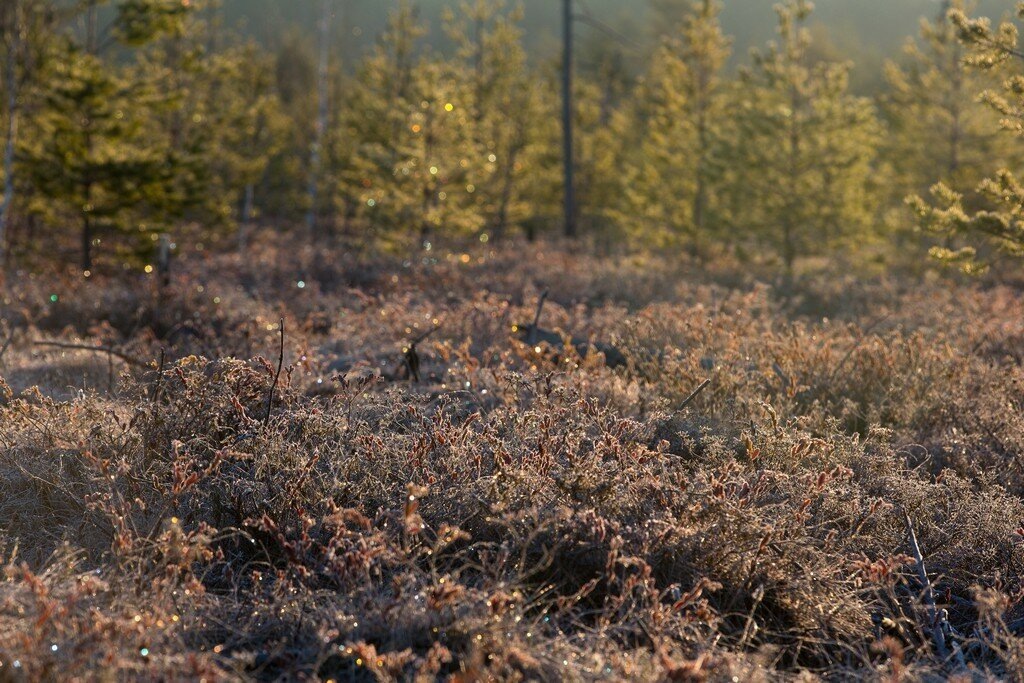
521, 513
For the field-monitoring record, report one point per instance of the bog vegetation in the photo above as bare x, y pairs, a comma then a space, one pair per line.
300, 380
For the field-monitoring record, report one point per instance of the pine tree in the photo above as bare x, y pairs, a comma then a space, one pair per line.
409, 171
602, 134
601, 140
89, 159
805, 147
89, 156
1001, 224
938, 129
666, 16
26, 32
13, 41
323, 110
681, 112
285, 191
220, 119
249, 123
497, 91
705, 53
173, 73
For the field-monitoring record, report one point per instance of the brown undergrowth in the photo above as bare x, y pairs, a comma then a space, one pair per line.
523, 512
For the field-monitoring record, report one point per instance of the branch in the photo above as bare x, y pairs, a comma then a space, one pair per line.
696, 392
159, 376
423, 337
934, 626
593, 22
130, 360
531, 339
277, 375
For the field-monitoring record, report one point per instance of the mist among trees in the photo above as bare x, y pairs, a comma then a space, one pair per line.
393, 128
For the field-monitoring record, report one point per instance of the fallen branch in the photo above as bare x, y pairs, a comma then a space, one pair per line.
159, 376
410, 360
696, 392
935, 627
277, 375
110, 351
423, 337
532, 334
532, 337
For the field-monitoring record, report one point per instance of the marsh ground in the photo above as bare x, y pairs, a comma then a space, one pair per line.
524, 511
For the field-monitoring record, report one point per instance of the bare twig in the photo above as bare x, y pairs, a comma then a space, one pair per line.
696, 392
131, 360
412, 362
7, 344
787, 382
531, 339
958, 653
110, 373
277, 375
934, 625
864, 334
159, 376
750, 629
423, 337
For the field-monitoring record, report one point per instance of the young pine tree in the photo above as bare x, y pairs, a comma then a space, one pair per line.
681, 115
805, 148
937, 128
90, 157
603, 134
285, 183
1000, 226
409, 171
501, 102
247, 128
26, 36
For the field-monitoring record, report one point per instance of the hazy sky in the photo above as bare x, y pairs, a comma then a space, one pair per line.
878, 21
869, 29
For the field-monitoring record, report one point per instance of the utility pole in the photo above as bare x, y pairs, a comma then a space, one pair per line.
316, 151
567, 115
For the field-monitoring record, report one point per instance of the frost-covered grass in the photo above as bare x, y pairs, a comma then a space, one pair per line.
522, 512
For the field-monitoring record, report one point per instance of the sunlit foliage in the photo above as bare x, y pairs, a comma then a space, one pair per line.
1001, 223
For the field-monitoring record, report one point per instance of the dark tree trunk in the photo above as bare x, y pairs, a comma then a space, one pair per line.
86, 244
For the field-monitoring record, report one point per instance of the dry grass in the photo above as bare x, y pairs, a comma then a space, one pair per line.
521, 513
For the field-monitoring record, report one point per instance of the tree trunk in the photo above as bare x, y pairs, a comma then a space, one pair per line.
164, 262
316, 153
507, 182
245, 220
86, 244
788, 223
11, 137
700, 197
568, 154
956, 115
